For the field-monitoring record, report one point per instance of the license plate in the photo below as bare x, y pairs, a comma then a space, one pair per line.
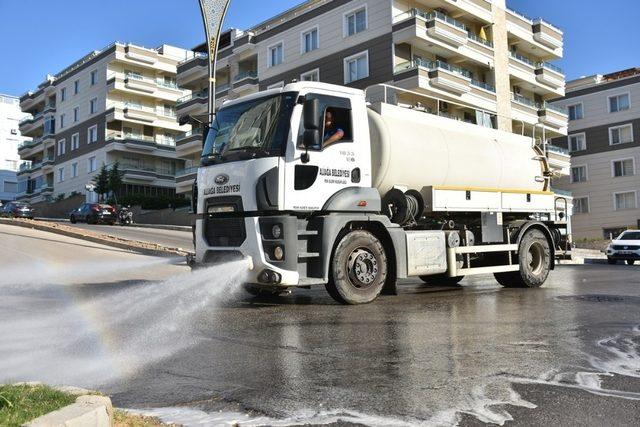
106, 212
625, 252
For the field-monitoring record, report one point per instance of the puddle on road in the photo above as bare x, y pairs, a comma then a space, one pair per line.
487, 402
52, 333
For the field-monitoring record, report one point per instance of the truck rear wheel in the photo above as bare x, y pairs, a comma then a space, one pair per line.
534, 254
358, 269
441, 280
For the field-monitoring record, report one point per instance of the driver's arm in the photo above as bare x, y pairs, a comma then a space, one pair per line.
334, 138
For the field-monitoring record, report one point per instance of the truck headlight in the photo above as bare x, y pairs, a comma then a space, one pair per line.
278, 253
276, 231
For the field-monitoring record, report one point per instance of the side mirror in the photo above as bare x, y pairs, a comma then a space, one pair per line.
205, 133
311, 114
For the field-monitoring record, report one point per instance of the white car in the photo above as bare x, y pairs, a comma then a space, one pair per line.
625, 247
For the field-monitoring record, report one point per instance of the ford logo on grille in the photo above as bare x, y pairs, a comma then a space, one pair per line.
626, 247
222, 179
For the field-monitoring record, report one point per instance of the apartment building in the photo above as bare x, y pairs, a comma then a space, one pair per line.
604, 141
489, 64
10, 139
113, 105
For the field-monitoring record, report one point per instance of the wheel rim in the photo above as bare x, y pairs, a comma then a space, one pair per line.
363, 269
535, 258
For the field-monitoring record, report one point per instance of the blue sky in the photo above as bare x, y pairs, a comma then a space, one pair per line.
43, 36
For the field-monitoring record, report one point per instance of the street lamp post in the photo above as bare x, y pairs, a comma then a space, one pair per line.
213, 13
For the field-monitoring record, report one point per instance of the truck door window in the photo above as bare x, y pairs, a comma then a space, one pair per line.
336, 119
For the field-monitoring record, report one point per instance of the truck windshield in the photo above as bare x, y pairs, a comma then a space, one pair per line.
251, 129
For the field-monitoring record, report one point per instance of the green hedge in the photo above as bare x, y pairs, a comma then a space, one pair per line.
151, 202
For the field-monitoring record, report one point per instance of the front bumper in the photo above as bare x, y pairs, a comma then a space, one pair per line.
258, 248
19, 214
623, 255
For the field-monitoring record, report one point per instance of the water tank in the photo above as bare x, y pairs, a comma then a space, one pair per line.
415, 149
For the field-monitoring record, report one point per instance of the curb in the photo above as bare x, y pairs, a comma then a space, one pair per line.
156, 226
89, 410
103, 239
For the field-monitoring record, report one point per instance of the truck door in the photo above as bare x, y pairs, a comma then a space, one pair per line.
331, 166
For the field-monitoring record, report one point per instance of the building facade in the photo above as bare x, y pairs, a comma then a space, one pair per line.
604, 141
10, 139
490, 65
113, 105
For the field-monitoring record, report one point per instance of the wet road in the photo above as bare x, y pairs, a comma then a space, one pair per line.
568, 353
169, 238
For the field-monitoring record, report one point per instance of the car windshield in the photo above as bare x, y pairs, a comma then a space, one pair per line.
630, 235
255, 128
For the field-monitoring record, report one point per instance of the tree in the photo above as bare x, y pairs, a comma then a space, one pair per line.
115, 180
102, 182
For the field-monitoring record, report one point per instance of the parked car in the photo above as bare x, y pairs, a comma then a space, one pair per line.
94, 213
626, 247
17, 210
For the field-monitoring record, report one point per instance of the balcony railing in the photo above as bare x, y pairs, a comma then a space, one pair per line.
138, 107
31, 119
222, 87
485, 86
551, 67
132, 167
480, 40
556, 108
185, 135
431, 66
196, 55
170, 85
29, 144
522, 58
186, 171
130, 137
246, 75
559, 150
197, 95
524, 100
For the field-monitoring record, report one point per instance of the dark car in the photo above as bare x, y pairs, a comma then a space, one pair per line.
94, 213
17, 210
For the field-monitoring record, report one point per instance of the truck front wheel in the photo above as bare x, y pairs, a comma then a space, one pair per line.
534, 254
358, 269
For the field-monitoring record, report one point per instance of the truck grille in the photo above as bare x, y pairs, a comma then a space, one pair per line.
221, 230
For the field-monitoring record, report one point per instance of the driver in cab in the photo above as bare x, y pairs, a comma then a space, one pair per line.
332, 133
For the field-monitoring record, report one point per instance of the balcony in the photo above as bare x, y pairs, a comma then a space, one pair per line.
189, 143
550, 74
29, 124
139, 83
139, 143
441, 75
554, 116
559, 160
28, 167
246, 80
244, 47
139, 112
185, 179
47, 163
146, 173
29, 144
194, 104
193, 69
547, 34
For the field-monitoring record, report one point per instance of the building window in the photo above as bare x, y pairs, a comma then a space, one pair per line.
92, 134
75, 141
74, 170
61, 175
356, 67
578, 174
61, 121
620, 134
623, 167
581, 205
76, 114
577, 142
63, 94
355, 21
91, 164
94, 77
625, 200
575, 112
310, 40
61, 147
618, 103
93, 105
310, 76
276, 55
76, 87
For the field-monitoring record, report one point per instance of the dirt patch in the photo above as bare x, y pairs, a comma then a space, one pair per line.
126, 419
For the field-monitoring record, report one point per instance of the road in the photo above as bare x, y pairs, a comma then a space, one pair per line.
193, 348
169, 238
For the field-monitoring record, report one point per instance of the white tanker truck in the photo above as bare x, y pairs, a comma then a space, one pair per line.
403, 193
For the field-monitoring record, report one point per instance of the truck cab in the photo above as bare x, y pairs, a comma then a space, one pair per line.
258, 176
